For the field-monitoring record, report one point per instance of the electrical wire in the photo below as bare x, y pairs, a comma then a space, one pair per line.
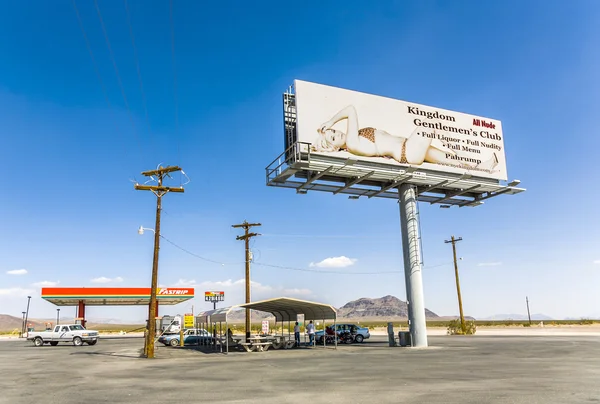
114, 63
293, 268
321, 236
97, 70
199, 256
139, 73
326, 271
175, 98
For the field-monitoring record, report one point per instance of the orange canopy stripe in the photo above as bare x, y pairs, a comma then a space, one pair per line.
114, 293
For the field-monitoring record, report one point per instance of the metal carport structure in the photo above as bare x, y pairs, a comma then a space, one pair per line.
283, 308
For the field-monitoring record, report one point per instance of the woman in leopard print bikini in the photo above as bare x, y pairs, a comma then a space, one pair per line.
372, 142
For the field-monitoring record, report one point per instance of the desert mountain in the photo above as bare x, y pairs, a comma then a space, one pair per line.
387, 307
11, 323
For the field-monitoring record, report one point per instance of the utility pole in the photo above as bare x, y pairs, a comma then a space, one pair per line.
246, 237
159, 190
23, 326
528, 314
27, 316
460, 307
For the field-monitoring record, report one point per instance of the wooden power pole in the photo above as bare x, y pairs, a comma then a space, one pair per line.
159, 190
528, 313
460, 307
246, 237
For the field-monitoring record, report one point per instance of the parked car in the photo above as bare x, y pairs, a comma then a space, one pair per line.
74, 333
190, 337
362, 333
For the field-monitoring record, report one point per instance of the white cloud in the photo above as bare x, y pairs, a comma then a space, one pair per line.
104, 279
489, 264
597, 262
184, 282
15, 292
17, 272
45, 284
335, 262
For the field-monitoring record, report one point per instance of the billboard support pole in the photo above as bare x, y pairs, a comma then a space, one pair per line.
409, 223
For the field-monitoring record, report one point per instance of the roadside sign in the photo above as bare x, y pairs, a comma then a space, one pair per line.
188, 321
265, 326
212, 296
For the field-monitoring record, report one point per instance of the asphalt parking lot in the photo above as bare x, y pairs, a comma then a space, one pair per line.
452, 370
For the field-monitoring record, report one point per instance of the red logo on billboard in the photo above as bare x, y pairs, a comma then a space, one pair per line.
481, 122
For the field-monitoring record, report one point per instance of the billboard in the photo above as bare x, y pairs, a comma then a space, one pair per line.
212, 296
349, 124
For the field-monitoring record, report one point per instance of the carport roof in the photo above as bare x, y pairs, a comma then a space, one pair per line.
283, 308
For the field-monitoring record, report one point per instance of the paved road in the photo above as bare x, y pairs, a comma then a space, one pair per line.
454, 370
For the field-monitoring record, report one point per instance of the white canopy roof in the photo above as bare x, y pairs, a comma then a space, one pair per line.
283, 308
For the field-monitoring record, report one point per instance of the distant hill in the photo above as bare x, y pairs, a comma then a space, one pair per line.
386, 307
240, 315
10, 323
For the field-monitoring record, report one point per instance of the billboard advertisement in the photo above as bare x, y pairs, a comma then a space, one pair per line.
349, 124
212, 296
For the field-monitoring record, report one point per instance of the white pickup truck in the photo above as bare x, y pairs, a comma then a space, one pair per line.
74, 333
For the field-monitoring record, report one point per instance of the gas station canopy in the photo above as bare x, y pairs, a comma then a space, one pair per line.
115, 296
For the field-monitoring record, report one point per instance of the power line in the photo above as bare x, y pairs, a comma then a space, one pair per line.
318, 235
292, 268
341, 272
172, 24
327, 271
114, 63
198, 256
96, 69
139, 72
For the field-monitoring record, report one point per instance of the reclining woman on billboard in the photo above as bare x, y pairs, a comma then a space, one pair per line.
372, 142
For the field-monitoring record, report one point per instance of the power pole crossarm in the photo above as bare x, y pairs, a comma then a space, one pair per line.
246, 237
159, 190
245, 224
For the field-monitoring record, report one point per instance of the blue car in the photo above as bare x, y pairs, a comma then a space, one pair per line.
190, 337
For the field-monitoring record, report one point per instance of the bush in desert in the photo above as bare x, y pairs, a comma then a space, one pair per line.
455, 328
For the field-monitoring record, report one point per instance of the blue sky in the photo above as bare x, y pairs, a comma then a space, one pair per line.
69, 212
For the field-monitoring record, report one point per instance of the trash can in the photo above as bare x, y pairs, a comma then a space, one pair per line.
404, 338
390, 328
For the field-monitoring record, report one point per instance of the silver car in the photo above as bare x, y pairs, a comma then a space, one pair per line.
362, 333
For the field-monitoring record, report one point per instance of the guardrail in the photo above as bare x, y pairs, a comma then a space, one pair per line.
288, 158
